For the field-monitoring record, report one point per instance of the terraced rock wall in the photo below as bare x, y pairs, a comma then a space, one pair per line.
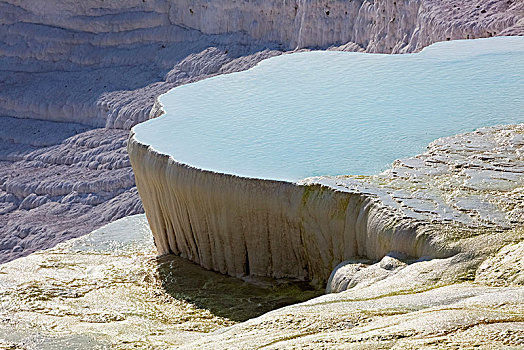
242, 226
68, 67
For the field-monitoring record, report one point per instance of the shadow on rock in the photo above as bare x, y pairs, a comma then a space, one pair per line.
227, 296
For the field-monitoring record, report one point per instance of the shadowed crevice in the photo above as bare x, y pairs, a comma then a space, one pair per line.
226, 296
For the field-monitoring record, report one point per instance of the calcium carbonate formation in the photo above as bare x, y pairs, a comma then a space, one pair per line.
438, 237
263, 227
66, 66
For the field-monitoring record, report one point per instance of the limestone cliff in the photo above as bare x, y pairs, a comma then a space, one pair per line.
242, 226
377, 26
102, 64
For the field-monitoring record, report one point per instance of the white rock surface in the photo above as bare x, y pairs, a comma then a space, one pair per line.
58, 181
106, 290
82, 174
99, 291
244, 226
504, 268
460, 316
103, 63
474, 178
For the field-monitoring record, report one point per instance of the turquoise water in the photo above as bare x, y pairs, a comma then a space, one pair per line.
332, 113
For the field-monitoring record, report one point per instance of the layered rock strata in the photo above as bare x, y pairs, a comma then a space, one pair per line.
57, 181
103, 64
461, 199
97, 63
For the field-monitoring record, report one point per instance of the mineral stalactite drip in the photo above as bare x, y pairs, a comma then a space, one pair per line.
204, 200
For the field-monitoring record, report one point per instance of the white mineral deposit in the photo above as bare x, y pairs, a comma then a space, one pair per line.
196, 166
364, 189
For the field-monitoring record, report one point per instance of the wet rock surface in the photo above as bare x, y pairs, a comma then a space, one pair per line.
107, 290
475, 179
457, 316
462, 200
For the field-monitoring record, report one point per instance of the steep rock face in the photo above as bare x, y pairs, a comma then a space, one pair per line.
242, 226
424, 207
378, 26
66, 61
104, 63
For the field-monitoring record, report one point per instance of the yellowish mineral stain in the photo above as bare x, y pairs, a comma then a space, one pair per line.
108, 289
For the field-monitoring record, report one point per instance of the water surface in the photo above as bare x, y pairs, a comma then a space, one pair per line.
332, 113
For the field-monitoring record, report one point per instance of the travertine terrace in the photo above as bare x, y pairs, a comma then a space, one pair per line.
464, 192
103, 63
75, 76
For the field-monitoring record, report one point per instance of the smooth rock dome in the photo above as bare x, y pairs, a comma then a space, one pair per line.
332, 113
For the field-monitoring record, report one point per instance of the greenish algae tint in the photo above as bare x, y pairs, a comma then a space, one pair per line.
109, 290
